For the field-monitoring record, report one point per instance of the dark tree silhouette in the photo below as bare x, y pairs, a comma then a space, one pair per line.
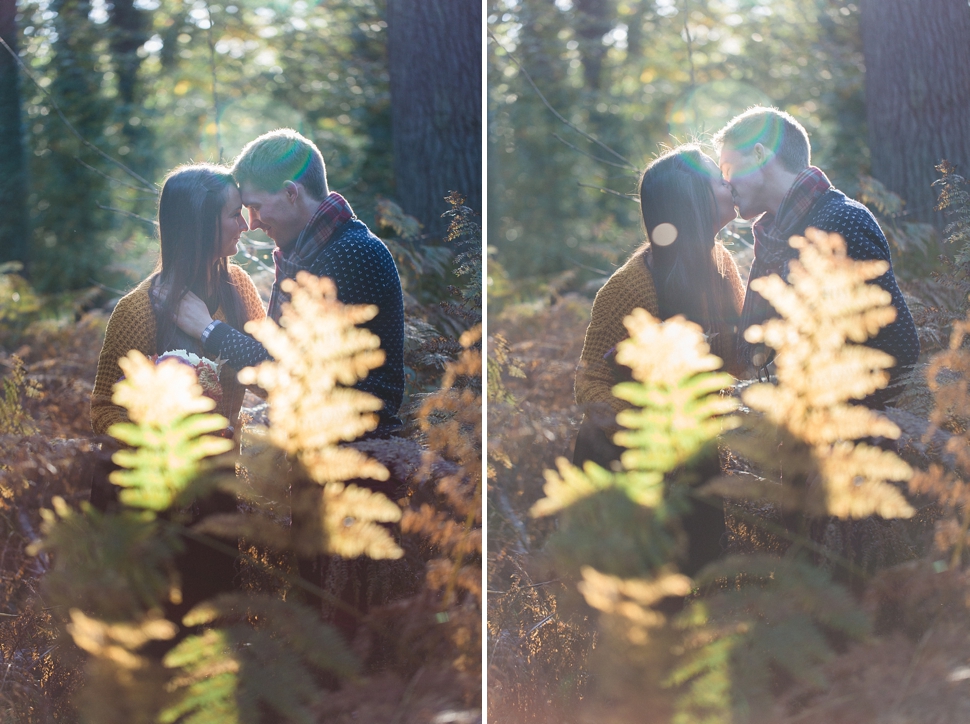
434, 53
14, 221
917, 94
127, 35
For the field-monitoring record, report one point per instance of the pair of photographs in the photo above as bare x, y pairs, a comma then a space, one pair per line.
526, 361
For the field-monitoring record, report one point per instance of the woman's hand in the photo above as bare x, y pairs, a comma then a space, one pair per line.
192, 316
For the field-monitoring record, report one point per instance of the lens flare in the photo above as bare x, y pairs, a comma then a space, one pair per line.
664, 234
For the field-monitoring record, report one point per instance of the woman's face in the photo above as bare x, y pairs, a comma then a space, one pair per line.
233, 223
722, 195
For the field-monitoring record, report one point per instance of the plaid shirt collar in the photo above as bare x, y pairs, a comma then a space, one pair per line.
775, 229
333, 212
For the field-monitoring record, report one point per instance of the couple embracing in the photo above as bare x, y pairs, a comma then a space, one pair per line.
765, 174
198, 301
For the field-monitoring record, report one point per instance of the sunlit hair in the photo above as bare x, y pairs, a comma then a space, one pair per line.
676, 189
190, 233
776, 130
280, 156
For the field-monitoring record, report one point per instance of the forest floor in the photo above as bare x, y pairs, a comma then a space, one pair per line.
544, 654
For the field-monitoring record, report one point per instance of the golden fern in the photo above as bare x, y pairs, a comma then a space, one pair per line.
168, 433
319, 354
950, 483
678, 411
827, 310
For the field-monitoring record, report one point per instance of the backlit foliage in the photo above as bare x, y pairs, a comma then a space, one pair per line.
773, 616
14, 419
167, 433
265, 656
319, 354
678, 411
948, 481
452, 421
826, 312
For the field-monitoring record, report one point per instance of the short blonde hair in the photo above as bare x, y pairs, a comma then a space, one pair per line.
776, 130
279, 156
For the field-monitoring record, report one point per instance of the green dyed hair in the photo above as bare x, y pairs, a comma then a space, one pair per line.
280, 156
776, 130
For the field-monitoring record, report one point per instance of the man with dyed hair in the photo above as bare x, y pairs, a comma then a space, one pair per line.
765, 156
283, 183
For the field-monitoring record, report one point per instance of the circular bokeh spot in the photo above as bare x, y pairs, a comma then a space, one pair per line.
664, 234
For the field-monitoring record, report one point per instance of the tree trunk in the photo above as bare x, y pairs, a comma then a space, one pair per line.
127, 35
917, 56
435, 60
14, 221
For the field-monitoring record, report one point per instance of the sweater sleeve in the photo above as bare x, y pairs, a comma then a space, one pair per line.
595, 376
131, 326
733, 290
248, 293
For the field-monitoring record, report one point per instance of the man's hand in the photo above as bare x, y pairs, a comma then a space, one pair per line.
193, 316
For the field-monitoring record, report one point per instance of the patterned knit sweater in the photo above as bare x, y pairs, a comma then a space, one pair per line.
132, 326
364, 272
630, 287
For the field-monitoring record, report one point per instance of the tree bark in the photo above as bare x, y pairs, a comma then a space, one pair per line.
15, 219
917, 55
435, 60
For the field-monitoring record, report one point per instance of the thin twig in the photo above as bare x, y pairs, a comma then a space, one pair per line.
609, 191
130, 214
585, 153
148, 186
556, 113
153, 192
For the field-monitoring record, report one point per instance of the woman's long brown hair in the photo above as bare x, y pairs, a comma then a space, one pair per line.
676, 189
190, 231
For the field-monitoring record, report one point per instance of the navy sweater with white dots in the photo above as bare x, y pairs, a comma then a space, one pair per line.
364, 272
864, 240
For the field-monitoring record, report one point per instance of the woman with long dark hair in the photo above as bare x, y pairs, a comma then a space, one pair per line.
199, 223
682, 268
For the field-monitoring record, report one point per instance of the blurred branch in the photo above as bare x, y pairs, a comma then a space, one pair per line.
690, 48
112, 178
556, 113
147, 185
609, 191
585, 153
129, 214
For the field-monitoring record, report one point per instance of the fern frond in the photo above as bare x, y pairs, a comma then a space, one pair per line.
826, 309
319, 355
773, 616
113, 566
168, 433
679, 411
263, 656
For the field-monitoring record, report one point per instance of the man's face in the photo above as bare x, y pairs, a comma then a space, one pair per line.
745, 173
277, 213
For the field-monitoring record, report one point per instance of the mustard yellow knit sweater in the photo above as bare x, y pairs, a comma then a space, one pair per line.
132, 326
630, 287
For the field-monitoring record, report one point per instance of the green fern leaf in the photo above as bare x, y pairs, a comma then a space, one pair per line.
265, 656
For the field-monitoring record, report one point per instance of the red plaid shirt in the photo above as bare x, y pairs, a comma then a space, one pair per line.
333, 212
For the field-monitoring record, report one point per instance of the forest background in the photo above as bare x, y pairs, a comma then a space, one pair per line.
582, 94
98, 101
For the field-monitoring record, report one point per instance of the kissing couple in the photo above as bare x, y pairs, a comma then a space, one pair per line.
197, 300
764, 174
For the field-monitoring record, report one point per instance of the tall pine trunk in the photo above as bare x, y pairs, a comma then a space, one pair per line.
15, 220
917, 55
435, 54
